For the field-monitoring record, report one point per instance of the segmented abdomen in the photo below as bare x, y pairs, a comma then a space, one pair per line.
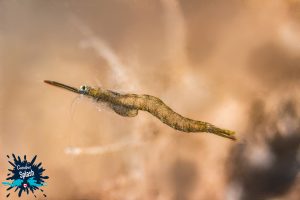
159, 109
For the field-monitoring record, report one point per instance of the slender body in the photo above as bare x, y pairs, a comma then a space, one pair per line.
128, 105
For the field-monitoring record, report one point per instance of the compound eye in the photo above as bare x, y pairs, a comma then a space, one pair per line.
83, 88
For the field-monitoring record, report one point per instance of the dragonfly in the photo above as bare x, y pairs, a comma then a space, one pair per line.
128, 105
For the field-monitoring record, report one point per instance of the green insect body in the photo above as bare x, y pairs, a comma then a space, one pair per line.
128, 105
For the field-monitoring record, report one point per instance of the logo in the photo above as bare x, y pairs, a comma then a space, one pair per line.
25, 176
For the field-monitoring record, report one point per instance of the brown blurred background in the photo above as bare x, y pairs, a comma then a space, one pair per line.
233, 63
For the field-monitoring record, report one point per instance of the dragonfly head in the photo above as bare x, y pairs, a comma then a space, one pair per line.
84, 89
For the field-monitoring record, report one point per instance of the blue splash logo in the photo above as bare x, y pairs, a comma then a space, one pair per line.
25, 176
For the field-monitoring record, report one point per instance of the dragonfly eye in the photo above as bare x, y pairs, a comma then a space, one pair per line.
83, 89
